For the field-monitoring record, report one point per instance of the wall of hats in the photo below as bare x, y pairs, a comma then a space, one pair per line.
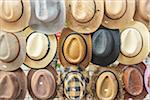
74, 49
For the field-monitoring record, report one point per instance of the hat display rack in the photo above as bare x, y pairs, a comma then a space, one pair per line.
74, 49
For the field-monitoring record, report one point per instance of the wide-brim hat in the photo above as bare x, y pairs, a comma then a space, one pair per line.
118, 13
105, 46
13, 84
147, 79
42, 83
135, 43
41, 49
47, 16
104, 81
142, 12
12, 21
74, 49
12, 51
133, 78
84, 16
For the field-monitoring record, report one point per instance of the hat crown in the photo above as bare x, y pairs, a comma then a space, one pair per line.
37, 45
115, 8
43, 84
9, 86
131, 41
82, 10
46, 10
74, 48
8, 10
8, 52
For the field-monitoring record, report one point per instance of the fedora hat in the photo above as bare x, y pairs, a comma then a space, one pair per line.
135, 43
13, 85
106, 84
143, 12
118, 13
41, 48
147, 79
42, 83
84, 16
133, 78
106, 46
47, 16
12, 20
74, 48
12, 50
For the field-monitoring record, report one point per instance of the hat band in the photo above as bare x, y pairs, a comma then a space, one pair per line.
47, 49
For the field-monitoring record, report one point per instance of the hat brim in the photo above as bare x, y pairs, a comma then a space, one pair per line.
21, 23
14, 65
48, 58
87, 27
146, 79
87, 58
146, 44
127, 17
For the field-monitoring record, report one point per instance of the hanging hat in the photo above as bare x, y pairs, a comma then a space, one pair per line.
15, 15
74, 48
135, 43
41, 48
106, 84
143, 12
147, 79
106, 46
118, 13
74, 82
12, 50
13, 85
84, 16
42, 83
133, 78
47, 16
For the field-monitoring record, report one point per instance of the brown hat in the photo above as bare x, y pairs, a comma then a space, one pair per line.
74, 48
42, 83
133, 80
12, 50
13, 85
143, 12
118, 12
84, 16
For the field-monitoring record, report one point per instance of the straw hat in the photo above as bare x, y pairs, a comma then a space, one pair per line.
74, 49
135, 43
118, 13
84, 16
133, 78
106, 46
12, 51
47, 16
143, 12
41, 49
147, 79
13, 85
12, 20
42, 83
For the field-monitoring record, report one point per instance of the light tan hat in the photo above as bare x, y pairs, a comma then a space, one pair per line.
143, 12
135, 43
118, 13
15, 15
41, 49
12, 50
84, 16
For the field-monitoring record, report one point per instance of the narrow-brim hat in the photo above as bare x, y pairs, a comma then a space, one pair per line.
147, 79
12, 50
12, 20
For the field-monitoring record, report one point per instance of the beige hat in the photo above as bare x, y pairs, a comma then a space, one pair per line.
118, 13
15, 15
41, 49
12, 51
84, 16
135, 43
143, 12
